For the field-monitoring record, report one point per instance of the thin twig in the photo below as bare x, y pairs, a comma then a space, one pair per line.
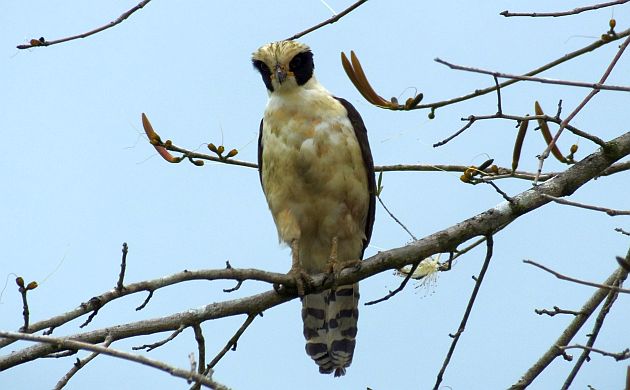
123, 266
556, 310
42, 42
496, 83
73, 344
399, 288
151, 347
239, 283
563, 13
231, 343
25, 311
95, 303
620, 230
606, 210
79, 364
599, 322
471, 302
594, 86
547, 118
618, 356
583, 103
569, 56
498, 190
578, 281
201, 346
395, 219
328, 21
471, 119
569, 332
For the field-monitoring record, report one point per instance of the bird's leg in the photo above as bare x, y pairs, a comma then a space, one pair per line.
296, 271
332, 260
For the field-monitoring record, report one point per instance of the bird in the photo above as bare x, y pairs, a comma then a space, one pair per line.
317, 174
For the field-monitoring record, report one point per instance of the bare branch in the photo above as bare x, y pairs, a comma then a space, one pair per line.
618, 356
620, 230
146, 301
583, 103
471, 302
556, 310
571, 330
595, 86
471, 119
201, 346
79, 364
151, 347
123, 266
399, 288
498, 190
42, 42
440, 242
328, 21
74, 344
569, 56
395, 219
564, 13
578, 281
232, 342
599, 322
606, 210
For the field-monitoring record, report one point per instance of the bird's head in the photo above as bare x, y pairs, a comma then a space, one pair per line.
284, 65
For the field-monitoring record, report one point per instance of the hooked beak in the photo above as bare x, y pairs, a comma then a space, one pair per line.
281, 73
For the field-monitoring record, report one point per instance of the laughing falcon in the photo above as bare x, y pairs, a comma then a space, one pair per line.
317, 174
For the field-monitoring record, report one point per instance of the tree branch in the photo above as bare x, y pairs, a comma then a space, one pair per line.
583, 103
571, 330
443, 241
596, 86
578, 281
569, 56
42, 42
328, 21
574, 11
74, 344
471, 302
79, 364
606, 210
599, 322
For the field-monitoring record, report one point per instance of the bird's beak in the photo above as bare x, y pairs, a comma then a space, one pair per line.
281, 73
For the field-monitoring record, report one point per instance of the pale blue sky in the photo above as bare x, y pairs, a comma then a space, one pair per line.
80, 178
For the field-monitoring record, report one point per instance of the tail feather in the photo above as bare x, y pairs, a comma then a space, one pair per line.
330, 327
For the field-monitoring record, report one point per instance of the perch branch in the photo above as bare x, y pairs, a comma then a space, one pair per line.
444, 241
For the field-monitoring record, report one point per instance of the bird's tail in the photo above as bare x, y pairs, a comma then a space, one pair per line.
330, 327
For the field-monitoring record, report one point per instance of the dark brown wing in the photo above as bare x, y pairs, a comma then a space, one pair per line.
361, 133
260, 152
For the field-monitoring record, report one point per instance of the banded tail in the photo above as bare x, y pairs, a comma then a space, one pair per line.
330, 327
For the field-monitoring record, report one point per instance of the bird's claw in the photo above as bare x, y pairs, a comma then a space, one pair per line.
303, 281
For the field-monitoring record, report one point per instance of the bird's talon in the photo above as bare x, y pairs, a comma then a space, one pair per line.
303, 281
